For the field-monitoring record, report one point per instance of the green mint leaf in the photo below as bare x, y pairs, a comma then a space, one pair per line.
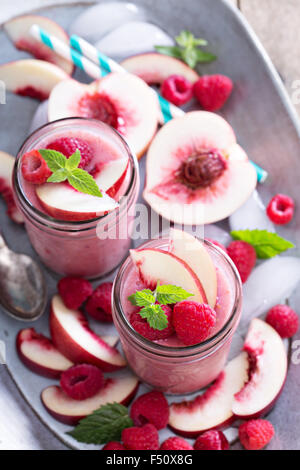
142, 298
190, 57
185, 38
266, 244
172, 51
155, 316
55, 160
103, 425
73, 160
169, 294
203, 56
84, 182
58, 176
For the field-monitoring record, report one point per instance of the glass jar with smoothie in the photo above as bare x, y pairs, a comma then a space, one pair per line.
77, 233
167, 360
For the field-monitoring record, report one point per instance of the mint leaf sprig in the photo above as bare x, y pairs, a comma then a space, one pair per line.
266, 244
152, 302
103, 425
188, 49
66, 169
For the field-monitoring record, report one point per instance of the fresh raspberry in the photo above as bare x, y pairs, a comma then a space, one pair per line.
215, 242
74, 291
177, 89
212, 91
34, 168
113, 446
244, 257
281, 209
98, 305
144, 329
151, 408
144, 438
82, 381
193, 322
256, 433
212, 440
176, 443
284, 320
68, 145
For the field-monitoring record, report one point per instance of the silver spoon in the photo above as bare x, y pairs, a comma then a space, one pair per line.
23, 291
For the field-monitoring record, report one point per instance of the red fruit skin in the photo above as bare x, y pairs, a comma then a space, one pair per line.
73, 420
33, 366
192, 321
99, 305
244, 257
12, 210
144, 329
212, 91
74, 291
151, 408
212, 440
284, 320
113, 190
280, 209
177, 89
176, 443
143, 438
256, 434
34, 168
113, 446
68, 146
74, 352
32, 93
87, 388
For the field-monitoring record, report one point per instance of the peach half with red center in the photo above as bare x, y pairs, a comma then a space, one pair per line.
196, 173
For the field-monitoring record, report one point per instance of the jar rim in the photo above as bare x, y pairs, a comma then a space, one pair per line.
63, 225
184, 351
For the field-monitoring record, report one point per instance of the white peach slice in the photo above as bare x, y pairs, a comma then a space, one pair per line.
31, 77
112, 175
69, 411
190, 175
71, 334
212, 409
154, 68
121, 100
18, 28
63, 202
267, 373
6, 169
39, 354
193, 252
157, 265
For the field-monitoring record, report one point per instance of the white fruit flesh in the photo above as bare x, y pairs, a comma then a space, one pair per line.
7, 162
214, 408
116, 390
172, 145
155, 68
35, 74
157, 265
18, 28
110, 173
135, 104
193, 252
268, 372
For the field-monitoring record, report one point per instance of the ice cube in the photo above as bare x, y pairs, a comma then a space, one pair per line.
132, 38
40, 116
270, 283
252, 215
216, 233
99, 20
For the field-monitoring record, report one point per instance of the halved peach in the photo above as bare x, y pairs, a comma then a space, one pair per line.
31, 77
18, 28
196, 173
121, 100
154, 68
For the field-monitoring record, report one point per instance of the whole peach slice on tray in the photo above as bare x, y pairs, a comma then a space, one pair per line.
31, 77
121, 100
154, 68
196, 173
7, 162
18, 28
